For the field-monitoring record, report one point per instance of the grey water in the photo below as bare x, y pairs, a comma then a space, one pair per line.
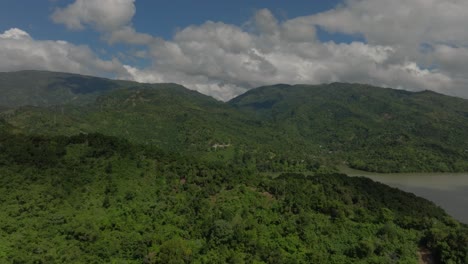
447, 190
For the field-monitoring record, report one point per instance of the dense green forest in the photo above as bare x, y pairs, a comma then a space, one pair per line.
364, 127
94, 170
99, 199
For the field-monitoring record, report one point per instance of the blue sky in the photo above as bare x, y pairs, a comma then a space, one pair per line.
179, 14
153, 17
223, 48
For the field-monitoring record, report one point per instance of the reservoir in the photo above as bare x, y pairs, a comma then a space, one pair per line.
447, 190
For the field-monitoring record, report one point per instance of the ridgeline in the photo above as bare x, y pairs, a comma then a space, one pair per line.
102, 171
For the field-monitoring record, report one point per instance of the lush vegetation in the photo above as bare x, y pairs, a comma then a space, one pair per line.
43, 88
99, 199
368, 128
100, 171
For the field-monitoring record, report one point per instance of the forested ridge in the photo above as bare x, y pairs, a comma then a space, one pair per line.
364, 127
100, 199
94, 170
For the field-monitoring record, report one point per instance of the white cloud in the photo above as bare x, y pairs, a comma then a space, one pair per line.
453, 60
423, 31
128, 35
400, 22
199, 83
299, 30
104, 15
225, 60
111, 17
265, 22
18, 51
15, 33
409, 44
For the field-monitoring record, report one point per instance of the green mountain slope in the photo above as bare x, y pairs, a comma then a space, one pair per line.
372, 128
4, 126
42, 88
167, 115
278, 128
172, 118
180, 177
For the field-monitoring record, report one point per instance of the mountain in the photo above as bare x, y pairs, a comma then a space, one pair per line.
101, 171
280, 127
168, 115
372, 128
42, 88
4, 126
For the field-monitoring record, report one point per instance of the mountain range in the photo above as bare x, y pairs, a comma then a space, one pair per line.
365, 127
101, 171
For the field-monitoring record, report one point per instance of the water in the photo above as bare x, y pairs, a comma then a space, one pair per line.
447, 190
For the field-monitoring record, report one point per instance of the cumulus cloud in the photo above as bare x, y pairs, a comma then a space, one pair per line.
15, 33
104, 15
110, 17
408, 44
453, 60
128, 35
19, 51
399, 22
265, 22
427, 34
224, 60
298, 30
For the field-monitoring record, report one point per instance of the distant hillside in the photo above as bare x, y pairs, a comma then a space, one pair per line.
4, 126
167, 115
374, 128
43, 88
101, 171
294, 127
172, 117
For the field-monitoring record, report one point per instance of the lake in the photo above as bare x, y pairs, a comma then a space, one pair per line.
447, 190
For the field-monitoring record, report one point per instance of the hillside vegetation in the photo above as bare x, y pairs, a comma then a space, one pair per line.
373, 129
101, 171
299, 126
99, 199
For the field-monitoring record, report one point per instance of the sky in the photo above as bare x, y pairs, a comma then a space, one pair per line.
224, 48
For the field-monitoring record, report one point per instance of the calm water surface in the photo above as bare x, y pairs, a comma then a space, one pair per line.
447, 190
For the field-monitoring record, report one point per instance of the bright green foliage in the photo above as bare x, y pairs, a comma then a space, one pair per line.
278, 128
373, 129
98, 199
179, 177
